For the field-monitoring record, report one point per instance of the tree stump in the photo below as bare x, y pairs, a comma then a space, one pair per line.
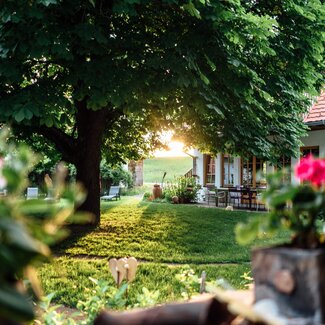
294, 279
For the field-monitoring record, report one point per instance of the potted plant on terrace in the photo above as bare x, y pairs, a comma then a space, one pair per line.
292, 275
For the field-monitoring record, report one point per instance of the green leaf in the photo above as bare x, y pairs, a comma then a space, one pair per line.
246, 233
17, 236
19, 116
189, 7
204, 78
48, 2
280, 198
14, 305
211, 64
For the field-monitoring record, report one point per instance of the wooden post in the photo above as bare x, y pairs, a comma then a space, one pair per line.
203, 279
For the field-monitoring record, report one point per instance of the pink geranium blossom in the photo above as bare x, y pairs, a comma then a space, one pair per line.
305, 168
312, 170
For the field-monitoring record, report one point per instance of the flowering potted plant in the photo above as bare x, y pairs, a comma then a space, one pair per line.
292, 275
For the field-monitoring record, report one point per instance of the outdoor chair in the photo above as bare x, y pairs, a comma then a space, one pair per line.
210, 194
32, 193
221, 198
246, 198
259, 202
114, 193
235, 196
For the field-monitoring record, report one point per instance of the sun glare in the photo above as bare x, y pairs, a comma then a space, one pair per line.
175, 150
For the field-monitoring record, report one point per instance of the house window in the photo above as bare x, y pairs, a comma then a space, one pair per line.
260, 176
285, 166
228, 170
247, 170
253, 172
305, 151
210, 170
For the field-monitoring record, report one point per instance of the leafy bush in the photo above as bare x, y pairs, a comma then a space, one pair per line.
190, 282
184, 188
114, 176
147, 196
27, 227
101, 296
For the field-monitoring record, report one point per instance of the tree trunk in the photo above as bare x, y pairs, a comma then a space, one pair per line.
90, 126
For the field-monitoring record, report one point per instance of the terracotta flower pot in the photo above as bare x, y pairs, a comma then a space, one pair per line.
294, 279
156, 191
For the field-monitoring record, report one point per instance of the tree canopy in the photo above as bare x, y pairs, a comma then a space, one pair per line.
230, 75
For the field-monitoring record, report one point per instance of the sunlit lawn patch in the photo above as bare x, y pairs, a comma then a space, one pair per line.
162, 233
158, 235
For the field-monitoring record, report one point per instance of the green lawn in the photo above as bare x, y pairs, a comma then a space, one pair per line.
154, 168
162, 232
69, 278
163, 237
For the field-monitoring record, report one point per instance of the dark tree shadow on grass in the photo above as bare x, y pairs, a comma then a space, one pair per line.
77, 231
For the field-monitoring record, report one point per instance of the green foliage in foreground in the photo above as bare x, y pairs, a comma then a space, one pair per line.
162, 232
27, 228
69, 278
154, 168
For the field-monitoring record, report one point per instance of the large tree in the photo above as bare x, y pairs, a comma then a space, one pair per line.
230, 75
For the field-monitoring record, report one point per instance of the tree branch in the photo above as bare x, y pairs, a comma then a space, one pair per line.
64, 143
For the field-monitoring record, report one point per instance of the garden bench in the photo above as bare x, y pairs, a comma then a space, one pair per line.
114, 192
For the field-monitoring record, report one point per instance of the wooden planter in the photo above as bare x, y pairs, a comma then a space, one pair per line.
294, 279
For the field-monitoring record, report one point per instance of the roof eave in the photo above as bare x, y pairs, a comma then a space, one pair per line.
316, 123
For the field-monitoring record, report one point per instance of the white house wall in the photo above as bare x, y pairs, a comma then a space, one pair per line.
314, 138
218, 180
199, 165
218, 167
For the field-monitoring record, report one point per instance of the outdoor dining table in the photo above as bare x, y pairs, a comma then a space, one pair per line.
244, 196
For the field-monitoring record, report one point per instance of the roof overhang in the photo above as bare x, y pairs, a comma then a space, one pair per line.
316, 125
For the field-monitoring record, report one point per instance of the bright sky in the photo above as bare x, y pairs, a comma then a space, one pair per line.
175, 147
176, 150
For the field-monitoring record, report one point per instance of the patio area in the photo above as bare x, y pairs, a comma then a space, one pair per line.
237, 198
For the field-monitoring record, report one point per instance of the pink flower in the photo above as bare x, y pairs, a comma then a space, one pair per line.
305, 168
318, 176
312, 170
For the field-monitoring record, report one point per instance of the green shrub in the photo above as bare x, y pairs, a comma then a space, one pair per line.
27, 228
184, 188
101, 296
147, 196
114, 176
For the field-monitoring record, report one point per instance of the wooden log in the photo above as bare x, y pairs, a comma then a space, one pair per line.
203, 312
294, 279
